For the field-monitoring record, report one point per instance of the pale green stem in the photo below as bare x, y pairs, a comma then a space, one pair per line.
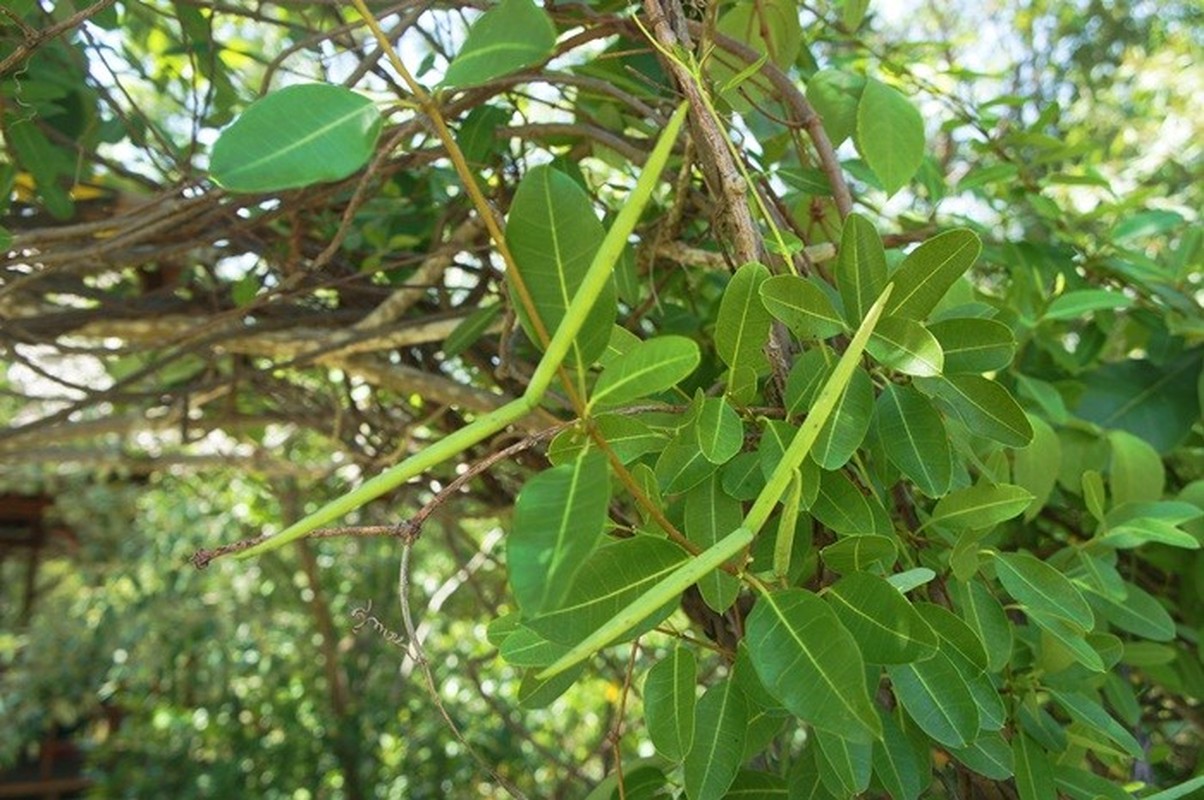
488, 424
804, 440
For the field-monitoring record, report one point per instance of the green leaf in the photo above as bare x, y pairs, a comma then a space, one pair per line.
895, 763
808, 374
1136, 474
669, 703
297, 136
666, 590
859, 553
906, 346
1041, 588
974, 345
835, 95
650, 367
526, 647
802, 306
1157, 403
1139, 613
710, 515
742, 327
720, 724
888, 630
1144, 530
720, 431
1079, 784
553, 234
845, 766
536, 692
471, 329
558, 521
959, 641
1036, 467
612, 577
985, 407
928, 272
890, 135
986, 617
853, 13
682, 464
1083, 302
980, 506
848, 423
6, 240
511, 35
1063, 641
989, 755
477, 136
914, 438
843, 507
1186, 789
753, 785
1034, 776
861, 264
811, 664
936, 697
1091, 713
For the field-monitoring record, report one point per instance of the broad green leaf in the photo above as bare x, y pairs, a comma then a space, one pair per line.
808, 374
985, 407
980, 506
958, 639
889, 135
1079, 784
666, 590
803, 780
853, 13
861, 264
682, 464
613, 576
477, 134
471, 329
1144, 530
742, 476
1034, 775
847, 425
558, 521
989, 755
860, 553
720, 431
1157, 403
802, 306
888, 630
649, 368
511, 35
500, 628
985, 615
296, 136
1136, 473
526, 647
914, 437
1095, 497
753, 785
537, 692
910, 579
811, 664
719, 728
629, 437
710, 515
845, 509
936, 697
906, 346
742, 328
1063, 642
1139, 613
835, 95
928, 272
553, 234
845, 766
1090, 712
974, 345
1186, 789
894, 761
669, 703
1043, 589
1036, 466
1083, 302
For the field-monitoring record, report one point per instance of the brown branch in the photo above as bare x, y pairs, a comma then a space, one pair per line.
41, 37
